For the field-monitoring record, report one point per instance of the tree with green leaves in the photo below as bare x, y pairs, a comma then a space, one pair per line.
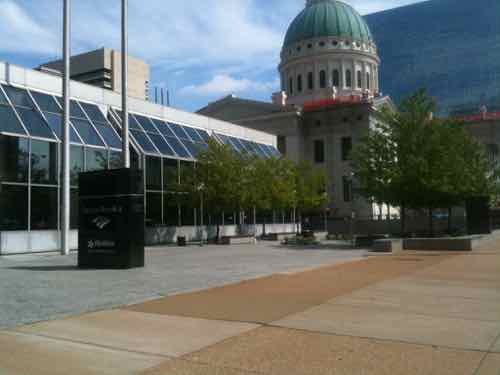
412, 160
226, 181
310, 188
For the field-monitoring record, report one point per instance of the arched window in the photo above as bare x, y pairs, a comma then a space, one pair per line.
368, 83
336, 78
290, 86
348, 78
322, 79
310, 81
299, 83
359, 79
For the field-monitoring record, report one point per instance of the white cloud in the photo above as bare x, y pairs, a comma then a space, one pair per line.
22, 34
224, 84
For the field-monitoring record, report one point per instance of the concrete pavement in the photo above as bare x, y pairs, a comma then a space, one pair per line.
402, 314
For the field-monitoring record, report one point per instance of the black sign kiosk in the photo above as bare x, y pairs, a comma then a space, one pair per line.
111, 219
478, 216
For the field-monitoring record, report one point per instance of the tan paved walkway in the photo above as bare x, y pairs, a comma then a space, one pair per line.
405, 314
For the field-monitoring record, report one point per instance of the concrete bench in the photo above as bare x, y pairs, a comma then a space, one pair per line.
237, 240
276, 236
442, 244
387, 245
367, 241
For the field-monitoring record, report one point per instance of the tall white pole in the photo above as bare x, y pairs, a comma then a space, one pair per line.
125, 128
65, 191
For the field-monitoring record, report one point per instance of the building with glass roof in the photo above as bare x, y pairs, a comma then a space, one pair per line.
164, 141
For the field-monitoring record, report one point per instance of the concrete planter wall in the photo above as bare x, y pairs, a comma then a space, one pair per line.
22, 242
167, 235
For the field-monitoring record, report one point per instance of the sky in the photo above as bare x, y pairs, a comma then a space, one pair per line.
201, 50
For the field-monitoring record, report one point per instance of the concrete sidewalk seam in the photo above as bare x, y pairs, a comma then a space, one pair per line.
388, 309
100, 346
379, 339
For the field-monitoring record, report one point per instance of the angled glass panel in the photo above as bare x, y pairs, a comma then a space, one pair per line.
93, 112
178, 147
132, 122
179, 131
248, 146
274, 151
237, 144
143, 141
225, 140
9, 122
46, 102
75, 110
87, 132
18, 97
34, 123
203, 134
193, 134
146, 124
161, 144
194, 148
3, 98
258, 150
265, 150
110, 137
163, 128
55, 123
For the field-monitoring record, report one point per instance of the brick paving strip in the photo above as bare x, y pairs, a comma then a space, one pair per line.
402, 314
271, 298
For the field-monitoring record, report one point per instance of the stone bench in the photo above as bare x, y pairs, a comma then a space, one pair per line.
442, 244
367, 241
237, 240
387, 245
276, 236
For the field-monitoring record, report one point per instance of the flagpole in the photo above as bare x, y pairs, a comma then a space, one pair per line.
65, 191
125, 124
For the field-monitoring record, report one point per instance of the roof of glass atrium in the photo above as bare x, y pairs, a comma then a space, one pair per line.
26, 112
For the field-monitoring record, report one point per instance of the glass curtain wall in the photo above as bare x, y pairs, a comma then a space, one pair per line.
30, 159
30, 156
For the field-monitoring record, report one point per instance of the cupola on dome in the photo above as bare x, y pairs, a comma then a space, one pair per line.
327, 18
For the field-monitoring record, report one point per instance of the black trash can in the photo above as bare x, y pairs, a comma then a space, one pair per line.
181, 241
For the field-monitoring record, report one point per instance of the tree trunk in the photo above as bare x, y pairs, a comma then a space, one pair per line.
450, 212
431, 222
403, 220
254, 221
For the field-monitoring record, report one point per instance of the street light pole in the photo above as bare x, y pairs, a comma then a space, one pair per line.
65, 191
125, 125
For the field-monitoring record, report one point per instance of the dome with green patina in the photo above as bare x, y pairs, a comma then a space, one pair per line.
327, 18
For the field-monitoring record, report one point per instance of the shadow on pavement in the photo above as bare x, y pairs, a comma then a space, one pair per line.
46, 268
316, 247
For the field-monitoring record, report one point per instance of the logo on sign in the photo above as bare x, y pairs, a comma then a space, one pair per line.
101, 222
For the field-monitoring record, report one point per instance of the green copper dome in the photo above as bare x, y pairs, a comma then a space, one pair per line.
327, 18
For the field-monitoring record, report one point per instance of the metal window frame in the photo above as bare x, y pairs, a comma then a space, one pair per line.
42, 113
34, 108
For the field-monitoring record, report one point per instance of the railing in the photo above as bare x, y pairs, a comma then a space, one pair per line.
481, 117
